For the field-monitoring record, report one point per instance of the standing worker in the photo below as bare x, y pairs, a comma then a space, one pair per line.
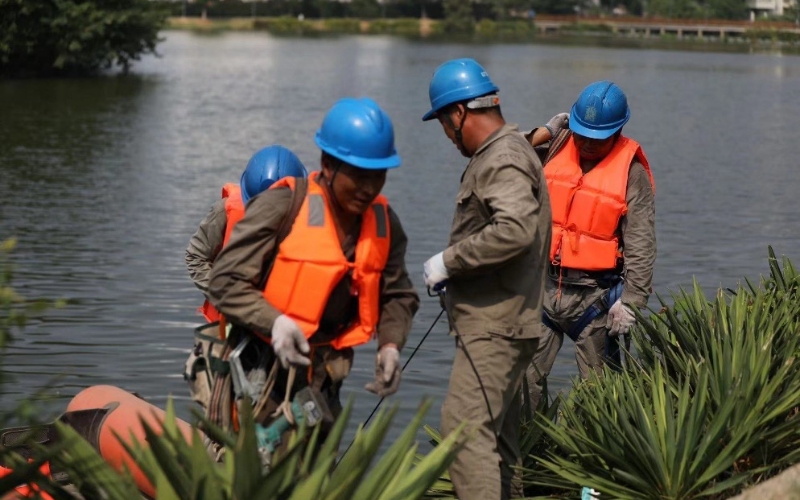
336, 277
493, 275
264, 168
604, 237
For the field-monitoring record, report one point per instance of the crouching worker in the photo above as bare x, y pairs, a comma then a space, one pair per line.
264, 168
316, 267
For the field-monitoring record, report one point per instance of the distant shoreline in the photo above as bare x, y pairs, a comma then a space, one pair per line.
625, 32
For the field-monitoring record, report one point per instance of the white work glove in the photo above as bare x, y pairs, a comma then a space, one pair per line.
556, 123
434, 273
620, 319
289, 343
387, 372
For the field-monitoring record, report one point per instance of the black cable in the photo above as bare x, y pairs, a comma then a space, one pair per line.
402, 370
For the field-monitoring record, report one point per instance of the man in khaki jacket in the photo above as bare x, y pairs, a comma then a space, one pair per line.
313, 314
491, 275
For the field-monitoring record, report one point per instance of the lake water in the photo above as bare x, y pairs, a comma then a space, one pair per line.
104, 181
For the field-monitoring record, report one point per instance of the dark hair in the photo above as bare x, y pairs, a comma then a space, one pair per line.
331, 161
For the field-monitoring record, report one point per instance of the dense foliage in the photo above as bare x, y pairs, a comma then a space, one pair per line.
75, 37
459, 17
707, 407
184, 471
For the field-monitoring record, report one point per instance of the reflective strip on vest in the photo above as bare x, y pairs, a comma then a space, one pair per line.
587, 208
310, 263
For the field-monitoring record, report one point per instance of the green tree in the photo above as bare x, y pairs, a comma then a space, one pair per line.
680, 9
365, 9
458, 17
504, 8
76, 37
555, 6
727, 9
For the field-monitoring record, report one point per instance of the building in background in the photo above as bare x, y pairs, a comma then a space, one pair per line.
769, 7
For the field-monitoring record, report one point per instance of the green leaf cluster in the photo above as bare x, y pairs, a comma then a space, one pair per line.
458, 17
709, 407
63, 37
181, 470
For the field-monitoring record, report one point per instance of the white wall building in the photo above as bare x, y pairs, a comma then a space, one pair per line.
769, 7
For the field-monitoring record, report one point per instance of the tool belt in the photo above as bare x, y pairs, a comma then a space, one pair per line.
205, 362
329, 367
243, 368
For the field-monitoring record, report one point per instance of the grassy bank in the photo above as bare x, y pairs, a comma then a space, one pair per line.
594, 32
292, 26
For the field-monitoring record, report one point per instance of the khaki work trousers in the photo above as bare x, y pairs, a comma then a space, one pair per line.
482, 469
564, 310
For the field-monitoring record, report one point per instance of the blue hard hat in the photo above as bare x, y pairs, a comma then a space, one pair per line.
267, 166
360, 133
600, 111
455, 81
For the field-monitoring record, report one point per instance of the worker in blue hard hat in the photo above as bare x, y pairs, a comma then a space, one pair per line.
317, 266
604, 239
491, 276
265, 167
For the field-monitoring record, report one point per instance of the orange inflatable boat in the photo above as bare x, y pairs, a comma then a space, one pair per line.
106, 417
122, 420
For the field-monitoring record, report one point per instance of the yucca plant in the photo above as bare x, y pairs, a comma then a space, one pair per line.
184, 471
709, 407
181, 470
749, 342
637, 436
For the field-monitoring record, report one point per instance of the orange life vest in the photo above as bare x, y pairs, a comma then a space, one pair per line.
28, 490
234, 211
310, 263
587, 207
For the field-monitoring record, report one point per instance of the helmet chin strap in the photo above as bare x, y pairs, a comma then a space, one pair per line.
329, 183
457, 130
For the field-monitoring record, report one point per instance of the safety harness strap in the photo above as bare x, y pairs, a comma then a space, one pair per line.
556, 143
593, 311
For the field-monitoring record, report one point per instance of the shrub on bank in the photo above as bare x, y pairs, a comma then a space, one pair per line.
402, 27
586, 28
342, 25
55, 37
518, 29
283, 25
772, 35
708, 407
